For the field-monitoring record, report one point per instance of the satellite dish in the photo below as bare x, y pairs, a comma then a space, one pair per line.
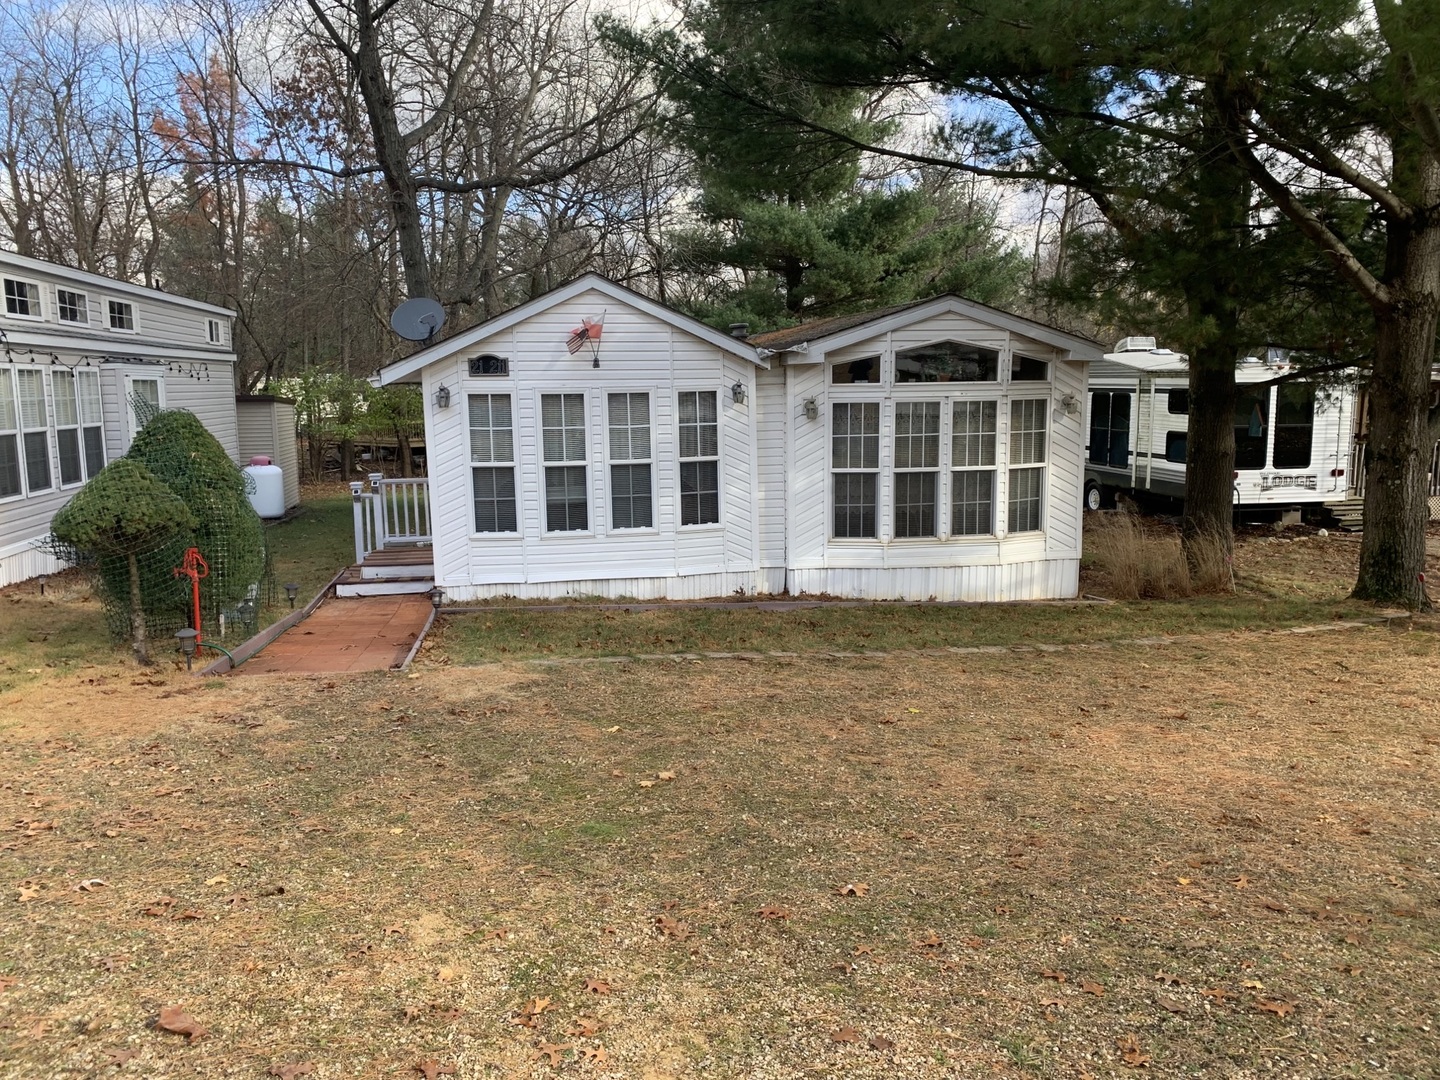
417, 319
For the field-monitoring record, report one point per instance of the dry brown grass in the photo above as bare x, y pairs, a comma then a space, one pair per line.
1143, 559
1250, 816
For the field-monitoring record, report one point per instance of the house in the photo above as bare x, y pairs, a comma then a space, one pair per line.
932, 450
81, 357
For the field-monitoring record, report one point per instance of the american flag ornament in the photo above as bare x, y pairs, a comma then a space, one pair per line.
587, 333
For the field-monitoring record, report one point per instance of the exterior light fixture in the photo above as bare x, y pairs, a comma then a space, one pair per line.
737, 393
812, 409
356, 488
375, 479
188, 641
291, 589
437, 597
442, 397
1071, 404
43, 579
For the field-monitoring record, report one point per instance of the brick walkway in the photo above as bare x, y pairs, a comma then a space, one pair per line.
370, 633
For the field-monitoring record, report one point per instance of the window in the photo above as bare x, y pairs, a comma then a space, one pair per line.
1028, 369
492, 459
22, 299
34, 428
213, 333
72, 307
699, 458
1177, 402
1175, 444
1294, 425
562, 435
67, 427
864, 370
947, 361
144, 401
631, 501
1110, 429
972, 464
917, 466
1252, 417
9, 438
1027, 448
489, 365
855, 463
121, 315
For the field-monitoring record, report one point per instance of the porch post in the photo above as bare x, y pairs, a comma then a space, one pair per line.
358, 505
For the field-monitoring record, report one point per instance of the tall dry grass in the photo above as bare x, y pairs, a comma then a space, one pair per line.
1143, 560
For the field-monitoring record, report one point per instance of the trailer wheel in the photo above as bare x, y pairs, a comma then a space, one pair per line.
1093, 496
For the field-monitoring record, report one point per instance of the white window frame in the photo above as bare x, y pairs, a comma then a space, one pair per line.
1026, 463
957, 464
33, 297
877, 472
132, 426
700, 459
9, 430
215, 332
45, 429
492, 462
612, 459
911, 469
83, 308
581, 462
133, 328
1012, 360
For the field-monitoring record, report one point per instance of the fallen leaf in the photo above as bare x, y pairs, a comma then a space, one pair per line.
612, 730
857, 888
1183, 880
845, 1035
1058, 976
665, 775
843, 968
7, 981
864, 950
1218, 995
496, 935
930, 941
120, 1057
446, 974
879, 1042
1279, 1008
1241, 882
1169, 980
91, 884
597, 986
1130, 1052
431, 1068
218, 879
1169, 1004
1088, 987
585, 1027
290, 1072
594, 1053
647, 783
1253, 984
672, 928
535, 1006
550, 1050
770, 912
174, 1018
28, 893
1052, 1003
396, 929
1274, 905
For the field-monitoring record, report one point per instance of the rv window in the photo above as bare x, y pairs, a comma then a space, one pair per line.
947, 361
1028, 369
1252, 418
1175, 447
864, 370
1110, 429
1178, 403
1294, 425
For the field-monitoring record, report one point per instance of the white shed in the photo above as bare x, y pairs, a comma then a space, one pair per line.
928, 451
266, 426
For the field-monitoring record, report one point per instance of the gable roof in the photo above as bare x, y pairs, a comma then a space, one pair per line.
403, 370
842, 330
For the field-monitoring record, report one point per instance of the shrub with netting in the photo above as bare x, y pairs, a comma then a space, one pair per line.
177, 448
131, 530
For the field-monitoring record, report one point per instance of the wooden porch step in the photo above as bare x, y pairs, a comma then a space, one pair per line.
408, 555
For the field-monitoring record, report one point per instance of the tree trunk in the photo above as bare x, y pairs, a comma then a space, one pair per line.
402, 451
1210, 454
137, 613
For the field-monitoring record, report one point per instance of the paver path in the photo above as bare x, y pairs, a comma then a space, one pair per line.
368, 633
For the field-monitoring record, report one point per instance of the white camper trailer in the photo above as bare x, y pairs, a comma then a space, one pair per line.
1294, 441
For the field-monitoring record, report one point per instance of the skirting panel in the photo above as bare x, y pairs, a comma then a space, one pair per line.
1046, 579
26, 563
687, 587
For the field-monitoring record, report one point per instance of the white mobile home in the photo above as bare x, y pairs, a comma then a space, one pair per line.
928, 451
77, 351
1294, 441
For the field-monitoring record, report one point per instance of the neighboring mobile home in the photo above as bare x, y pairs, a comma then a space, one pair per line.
77, 352
933, 450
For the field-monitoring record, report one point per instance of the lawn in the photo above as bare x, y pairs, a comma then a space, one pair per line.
1212, 858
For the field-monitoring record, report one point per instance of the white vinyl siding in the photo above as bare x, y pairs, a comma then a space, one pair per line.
72, 307
699, 458
1027, 448
563, 438
632, 502
917, 467
492, 457
22, 299
972, 465
855, 467
10, 485
34, 428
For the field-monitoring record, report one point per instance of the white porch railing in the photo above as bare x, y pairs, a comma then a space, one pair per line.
390, 513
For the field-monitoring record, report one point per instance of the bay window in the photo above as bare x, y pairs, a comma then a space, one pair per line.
562, 432
917, 467
855, 467
972, 468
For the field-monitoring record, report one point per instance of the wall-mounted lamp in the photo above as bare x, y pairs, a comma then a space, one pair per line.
442, 397
812, 409
737, 393
1071, 404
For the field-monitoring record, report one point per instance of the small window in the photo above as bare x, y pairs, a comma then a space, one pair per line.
73, 307
1294, 425
489, 365
864, 370
1177, 403
1175, 447
22, 299
121, 315
1110, 429
699, 458
1028, 369
947, 361
213, 332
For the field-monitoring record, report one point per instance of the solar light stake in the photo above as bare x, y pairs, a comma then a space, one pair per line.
43, 580
437, 597
291, 589
188, 638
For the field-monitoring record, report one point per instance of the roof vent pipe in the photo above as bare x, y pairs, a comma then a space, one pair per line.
740, 330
